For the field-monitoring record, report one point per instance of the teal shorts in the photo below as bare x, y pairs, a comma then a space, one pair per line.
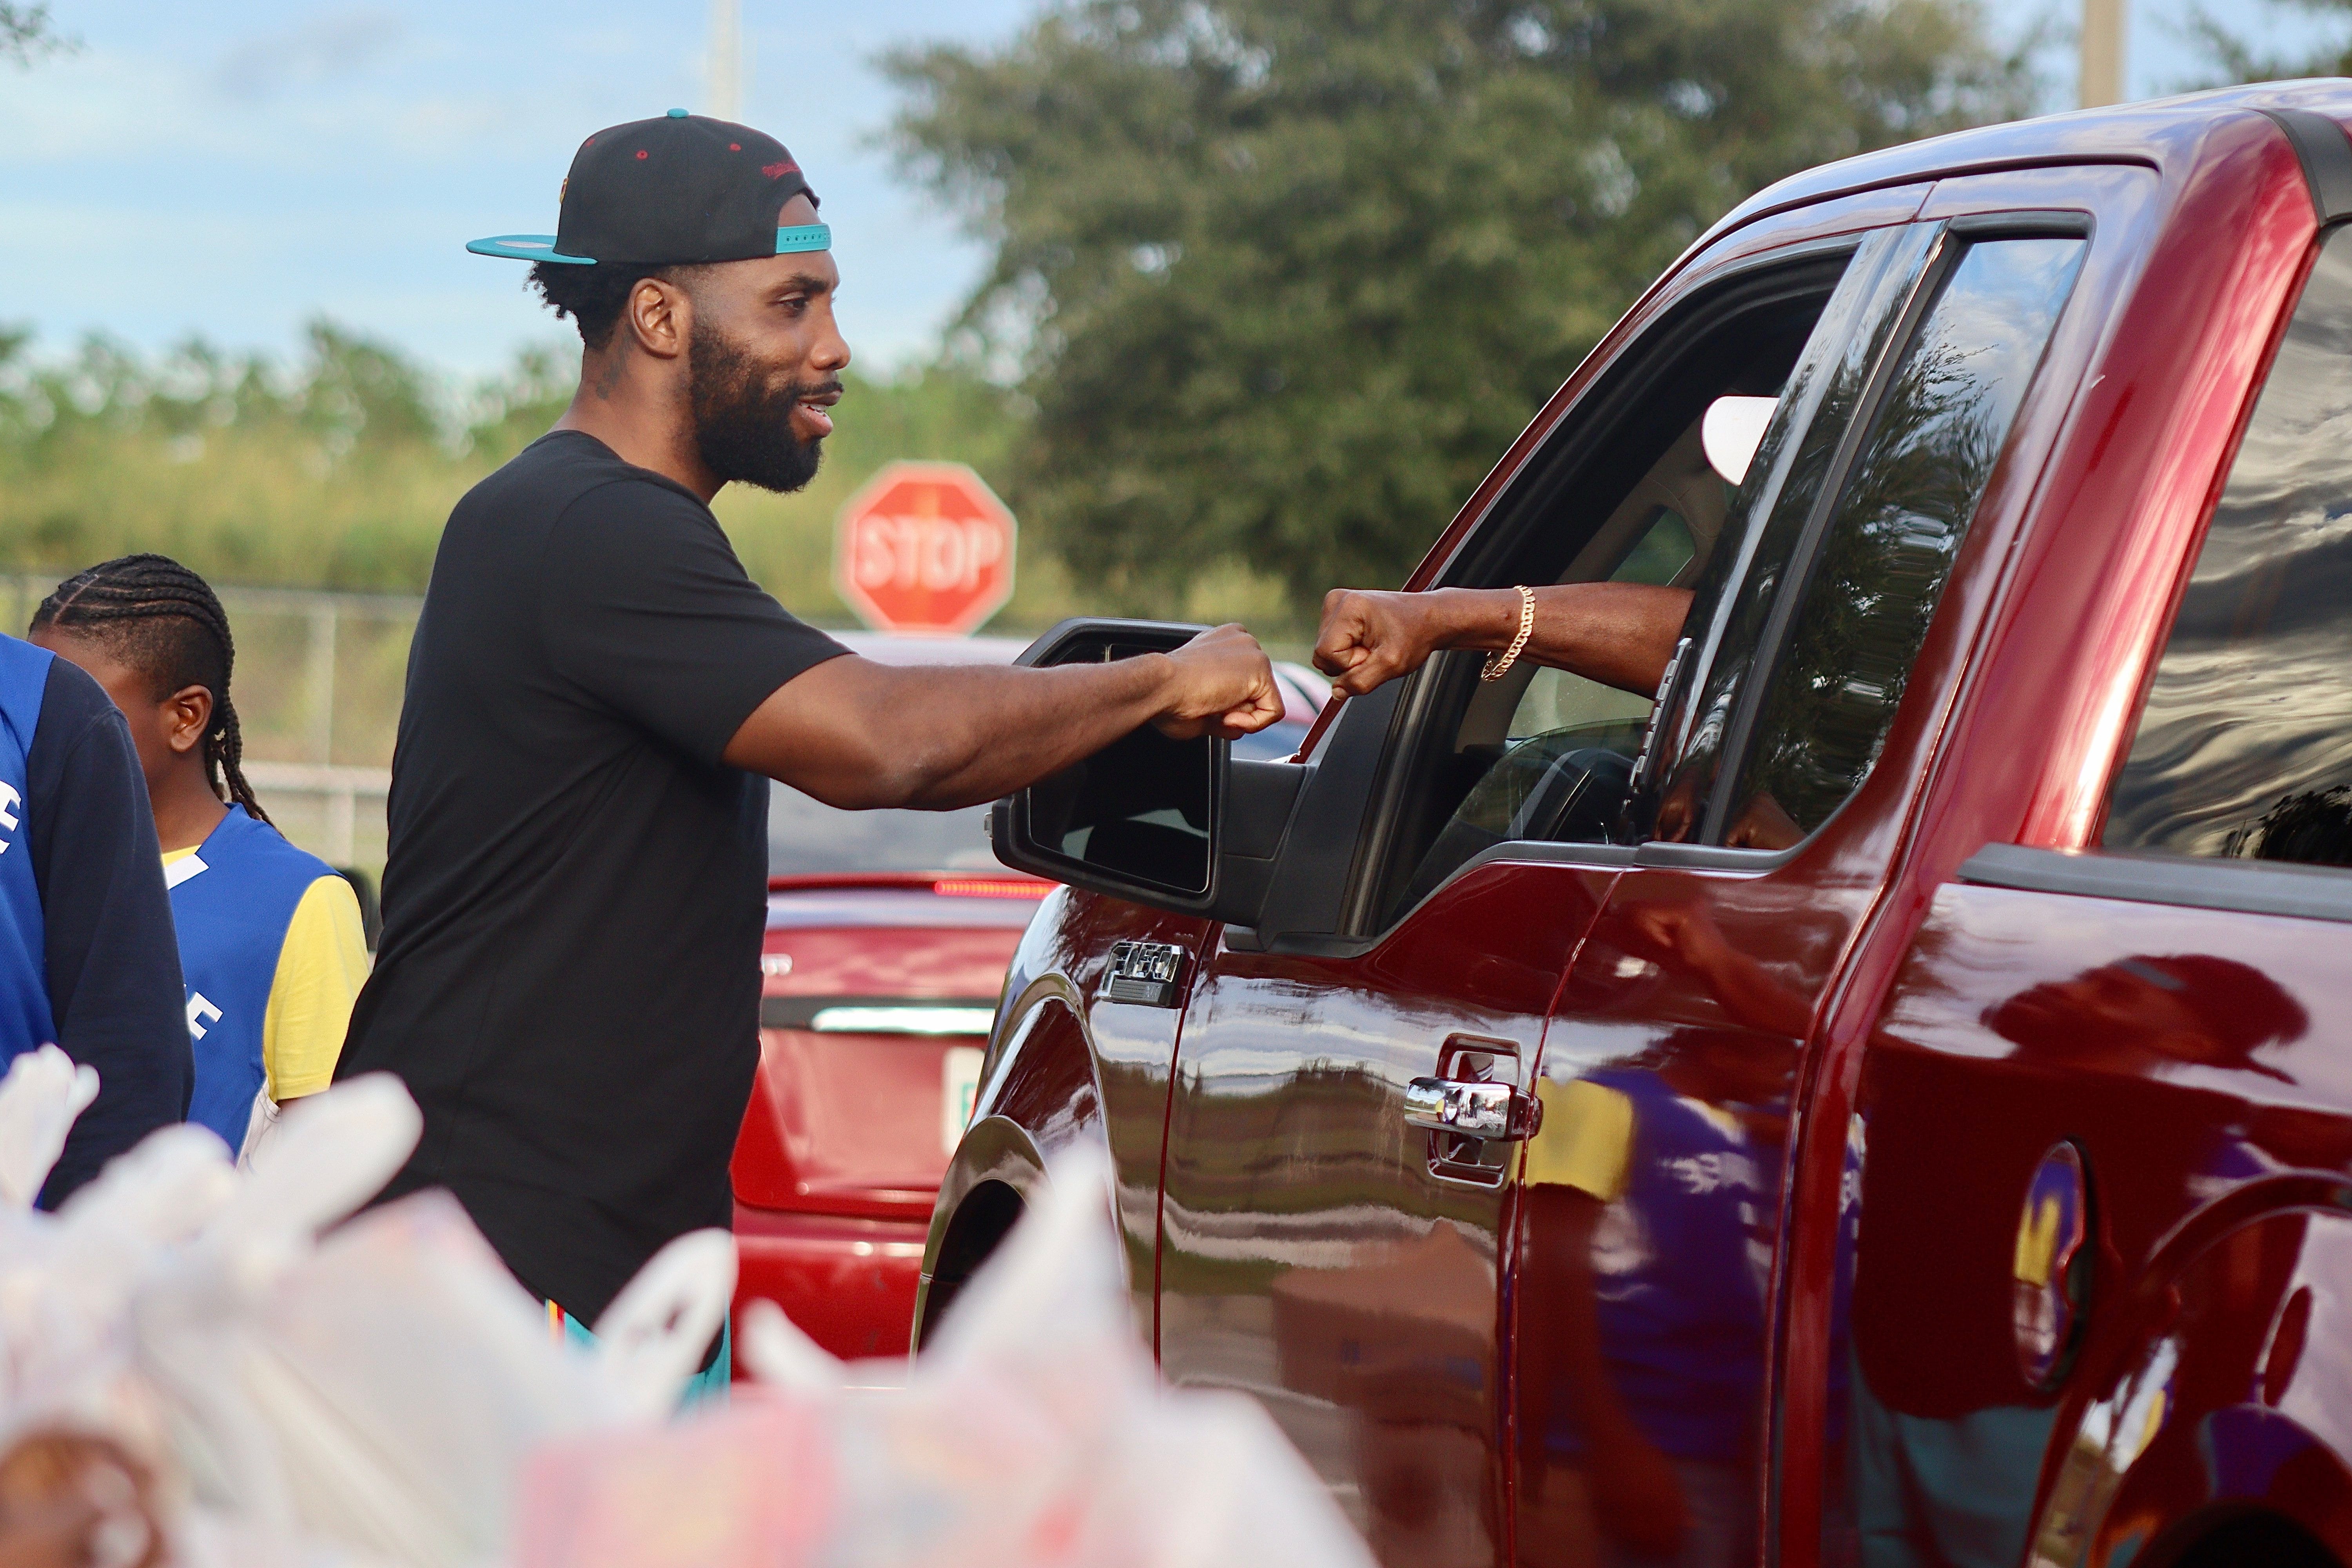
709, 1385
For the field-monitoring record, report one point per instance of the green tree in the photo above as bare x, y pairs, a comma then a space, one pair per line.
1287, 276
2236, 59
26, 34
360, 395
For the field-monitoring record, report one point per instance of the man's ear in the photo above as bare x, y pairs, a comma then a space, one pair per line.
188, 715
660, 316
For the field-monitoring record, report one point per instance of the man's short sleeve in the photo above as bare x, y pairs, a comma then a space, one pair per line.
645, 607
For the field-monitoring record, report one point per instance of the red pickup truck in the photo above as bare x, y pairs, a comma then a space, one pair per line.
1879, 1102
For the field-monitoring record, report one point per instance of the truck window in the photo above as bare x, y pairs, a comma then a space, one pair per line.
2245, 747
1734, 596
1543, 754
1558, 703
1905, 506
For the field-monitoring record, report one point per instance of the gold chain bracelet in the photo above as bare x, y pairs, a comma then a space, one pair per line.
1498, 665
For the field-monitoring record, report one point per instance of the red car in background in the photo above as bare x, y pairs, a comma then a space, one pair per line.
889, 933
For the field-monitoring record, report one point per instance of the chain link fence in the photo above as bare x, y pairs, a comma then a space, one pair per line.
317, 686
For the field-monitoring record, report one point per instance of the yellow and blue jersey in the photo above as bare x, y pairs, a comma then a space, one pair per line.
1680, 1255
273, 955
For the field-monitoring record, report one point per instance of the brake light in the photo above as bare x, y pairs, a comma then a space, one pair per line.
989, 888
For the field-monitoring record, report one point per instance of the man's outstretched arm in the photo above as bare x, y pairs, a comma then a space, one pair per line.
858, 734
1619, 633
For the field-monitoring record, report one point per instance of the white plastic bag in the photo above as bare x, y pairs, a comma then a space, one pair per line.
1035, 1434
379, 1388
652, 1338
362, 1392
67, 1281
39, 1098
381, 1393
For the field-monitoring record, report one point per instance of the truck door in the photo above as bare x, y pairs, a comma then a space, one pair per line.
1771, 805
2100, 1119
1328, 1241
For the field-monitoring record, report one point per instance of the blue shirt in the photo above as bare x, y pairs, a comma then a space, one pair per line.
1680, 1264
25, 1019
87, 958
232, 902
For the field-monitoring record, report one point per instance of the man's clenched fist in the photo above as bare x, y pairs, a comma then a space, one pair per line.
1370, 638
1223, 685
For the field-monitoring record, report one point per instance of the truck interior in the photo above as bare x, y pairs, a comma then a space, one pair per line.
1624, 492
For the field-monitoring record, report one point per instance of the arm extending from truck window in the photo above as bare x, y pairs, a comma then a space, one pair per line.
1619, 633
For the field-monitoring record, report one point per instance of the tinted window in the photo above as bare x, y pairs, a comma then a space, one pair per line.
1562, 770
1784, 482
2245, 746
1904, 507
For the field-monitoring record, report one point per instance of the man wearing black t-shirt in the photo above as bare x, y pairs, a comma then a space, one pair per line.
576, 886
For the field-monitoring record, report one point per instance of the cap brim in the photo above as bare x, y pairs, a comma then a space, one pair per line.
526, 247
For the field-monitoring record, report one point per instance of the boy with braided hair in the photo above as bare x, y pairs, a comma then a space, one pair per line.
270, 941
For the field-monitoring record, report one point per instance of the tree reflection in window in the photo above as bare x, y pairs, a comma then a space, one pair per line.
2244, 750
1902, 515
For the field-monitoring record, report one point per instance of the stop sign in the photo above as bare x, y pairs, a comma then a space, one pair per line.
924, 547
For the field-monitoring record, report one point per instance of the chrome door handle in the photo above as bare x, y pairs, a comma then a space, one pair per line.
1492, 1113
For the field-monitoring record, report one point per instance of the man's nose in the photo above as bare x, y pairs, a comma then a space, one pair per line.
831, 354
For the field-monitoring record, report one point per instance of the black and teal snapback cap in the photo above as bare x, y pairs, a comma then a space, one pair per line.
677, 191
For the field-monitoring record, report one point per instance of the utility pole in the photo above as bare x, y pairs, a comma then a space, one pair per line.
727, 59
2104, 30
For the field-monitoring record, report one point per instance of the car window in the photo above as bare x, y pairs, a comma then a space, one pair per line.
1871, 586
1736, 594
1559, 773
1559, 704
807, 837
2245, 747
1542, 754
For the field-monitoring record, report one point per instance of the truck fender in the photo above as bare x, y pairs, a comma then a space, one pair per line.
1039, 1100
2214, 1421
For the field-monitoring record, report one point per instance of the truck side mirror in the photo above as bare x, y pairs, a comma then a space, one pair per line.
1177, 825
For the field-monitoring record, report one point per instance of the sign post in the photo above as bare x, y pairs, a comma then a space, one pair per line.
924, 548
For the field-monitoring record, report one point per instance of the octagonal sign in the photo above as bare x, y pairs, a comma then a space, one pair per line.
924, 548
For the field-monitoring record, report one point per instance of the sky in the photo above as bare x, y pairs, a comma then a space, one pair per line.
237, 168
233, 170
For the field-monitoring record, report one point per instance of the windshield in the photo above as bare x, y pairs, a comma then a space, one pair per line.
807, 837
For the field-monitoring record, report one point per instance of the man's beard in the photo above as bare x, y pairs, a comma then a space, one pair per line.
742, 422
